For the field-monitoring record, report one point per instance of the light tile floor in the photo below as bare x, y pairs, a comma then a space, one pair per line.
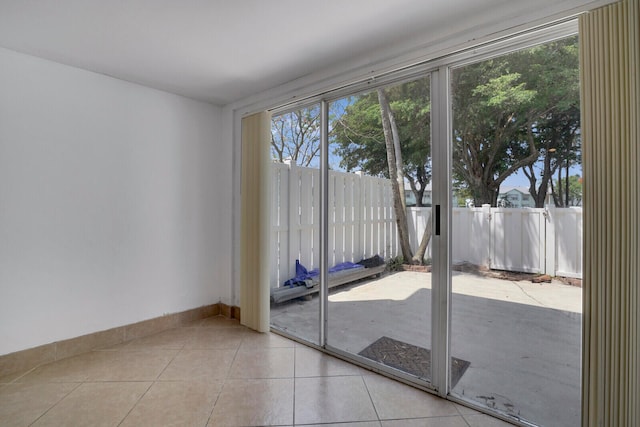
215, 372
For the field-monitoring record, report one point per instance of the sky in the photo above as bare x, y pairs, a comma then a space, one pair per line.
518, 179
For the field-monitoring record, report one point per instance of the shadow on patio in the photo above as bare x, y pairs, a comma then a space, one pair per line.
522, 340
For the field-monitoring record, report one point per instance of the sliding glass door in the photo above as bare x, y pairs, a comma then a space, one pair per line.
429, 227
379, 206
515, 224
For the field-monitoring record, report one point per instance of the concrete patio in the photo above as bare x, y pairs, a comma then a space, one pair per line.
522, 339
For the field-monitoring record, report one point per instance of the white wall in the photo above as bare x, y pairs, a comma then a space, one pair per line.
115, 203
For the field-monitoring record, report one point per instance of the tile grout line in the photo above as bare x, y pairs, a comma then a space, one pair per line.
224, 381
366, 387
137, 401
214, 405
15, 380
461, 414
180, 350
150, 385
58, 402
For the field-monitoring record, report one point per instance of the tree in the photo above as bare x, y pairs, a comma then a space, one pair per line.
386, 133
573, 191
518, 111
559, 144
491, 138
395, 165
359, 138
296, 136
553, 70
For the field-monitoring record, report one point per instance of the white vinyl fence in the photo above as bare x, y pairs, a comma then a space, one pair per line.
528, 240
362, 225
360, 216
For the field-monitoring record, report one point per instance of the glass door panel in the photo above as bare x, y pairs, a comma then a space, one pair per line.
516, 148
295, 255
379, 203
508, 313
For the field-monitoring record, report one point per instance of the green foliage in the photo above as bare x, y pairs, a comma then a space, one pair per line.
395, 264
359, 140
504, 92
462, 193
575, 190
509, 112
554, 69
515, 112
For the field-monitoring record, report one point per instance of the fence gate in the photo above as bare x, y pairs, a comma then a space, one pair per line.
518, 240
528, 240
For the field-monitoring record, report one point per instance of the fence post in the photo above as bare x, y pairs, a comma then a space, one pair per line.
357, 215
488, 232
550, 241
361, 215
293, 201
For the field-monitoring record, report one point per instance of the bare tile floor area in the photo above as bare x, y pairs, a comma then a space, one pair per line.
215, 372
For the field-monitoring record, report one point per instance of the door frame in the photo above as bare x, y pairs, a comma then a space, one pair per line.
441, 146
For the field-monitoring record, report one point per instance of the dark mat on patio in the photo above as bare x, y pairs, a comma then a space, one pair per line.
409, 358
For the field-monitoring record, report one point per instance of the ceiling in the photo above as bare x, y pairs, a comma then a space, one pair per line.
221, 51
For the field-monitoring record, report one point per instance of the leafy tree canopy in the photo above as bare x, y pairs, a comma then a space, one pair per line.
358, 138
518, 111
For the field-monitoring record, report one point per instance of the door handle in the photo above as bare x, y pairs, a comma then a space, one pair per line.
437, 220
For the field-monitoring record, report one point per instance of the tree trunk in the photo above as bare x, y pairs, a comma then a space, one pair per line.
397, 188
555, 195
482, 194
418, 258
566, 187
396, 148
417, 193
560, 198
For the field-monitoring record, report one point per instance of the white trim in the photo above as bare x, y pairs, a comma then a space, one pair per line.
324, 224
441, 244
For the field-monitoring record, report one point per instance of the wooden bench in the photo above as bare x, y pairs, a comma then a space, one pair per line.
338, 278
